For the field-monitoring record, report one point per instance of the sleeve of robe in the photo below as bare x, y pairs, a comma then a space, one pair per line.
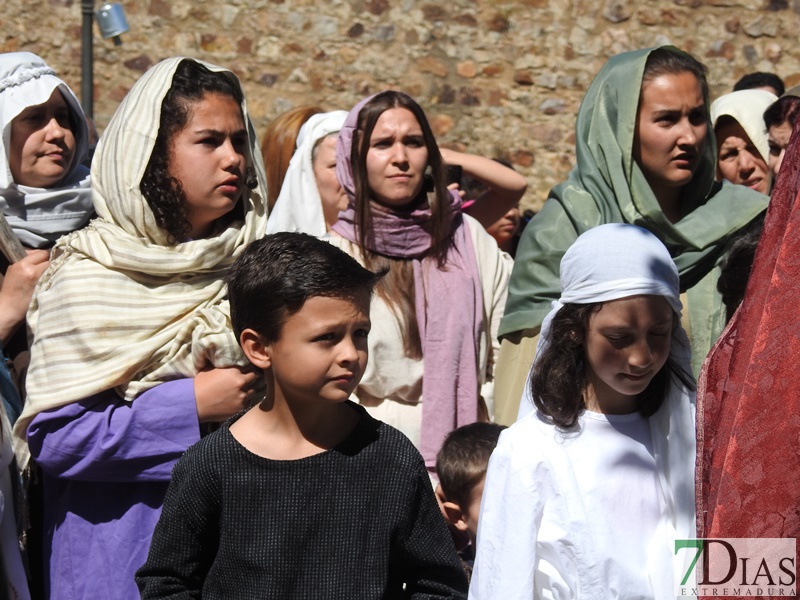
519, 501
426, 555
495, 269
104, 438
185, 539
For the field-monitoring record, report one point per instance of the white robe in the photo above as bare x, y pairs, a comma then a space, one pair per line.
575, 515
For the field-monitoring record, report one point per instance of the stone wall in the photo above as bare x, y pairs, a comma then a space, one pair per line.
499, 78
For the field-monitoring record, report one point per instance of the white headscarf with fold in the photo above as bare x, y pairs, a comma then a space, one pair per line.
119, 307
39, 216
747, 108
299, 207
615, 261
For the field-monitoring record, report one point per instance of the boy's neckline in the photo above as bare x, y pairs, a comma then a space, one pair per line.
261, 436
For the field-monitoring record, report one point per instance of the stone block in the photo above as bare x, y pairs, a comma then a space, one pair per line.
467, 69
429, 64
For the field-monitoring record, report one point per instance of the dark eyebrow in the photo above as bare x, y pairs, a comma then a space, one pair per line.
672, 111
217, 132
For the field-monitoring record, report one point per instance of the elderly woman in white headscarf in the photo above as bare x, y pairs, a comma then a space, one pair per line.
311, 196
742, 141
132, 348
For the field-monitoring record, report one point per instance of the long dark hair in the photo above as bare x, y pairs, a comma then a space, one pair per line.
559, 377
397, 289
439, 226
164, 194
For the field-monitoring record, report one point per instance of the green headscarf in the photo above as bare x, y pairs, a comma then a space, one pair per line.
607, 186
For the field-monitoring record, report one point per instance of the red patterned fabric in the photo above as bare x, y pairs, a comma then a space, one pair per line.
748, 401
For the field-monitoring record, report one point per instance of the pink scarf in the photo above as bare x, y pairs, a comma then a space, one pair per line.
449, 302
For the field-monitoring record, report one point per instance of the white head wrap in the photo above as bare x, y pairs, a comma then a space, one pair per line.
747, 108
39, 216
615, 261
299, 207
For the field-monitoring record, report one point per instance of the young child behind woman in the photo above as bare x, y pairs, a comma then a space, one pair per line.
586, 496
305, 495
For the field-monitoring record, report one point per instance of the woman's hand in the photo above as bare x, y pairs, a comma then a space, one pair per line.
221, 393
17, 289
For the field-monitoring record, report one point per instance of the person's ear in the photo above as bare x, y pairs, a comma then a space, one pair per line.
454, 516
254, 348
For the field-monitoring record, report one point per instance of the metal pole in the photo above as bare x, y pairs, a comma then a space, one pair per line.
87, 58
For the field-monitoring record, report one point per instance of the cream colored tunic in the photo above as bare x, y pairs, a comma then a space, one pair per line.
391, 388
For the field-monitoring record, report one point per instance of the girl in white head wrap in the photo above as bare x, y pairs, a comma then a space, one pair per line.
586, 496
300, 206
40, 214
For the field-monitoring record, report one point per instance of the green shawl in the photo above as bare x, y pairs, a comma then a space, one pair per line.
607, 186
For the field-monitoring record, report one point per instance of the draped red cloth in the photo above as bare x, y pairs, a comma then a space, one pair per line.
748, 400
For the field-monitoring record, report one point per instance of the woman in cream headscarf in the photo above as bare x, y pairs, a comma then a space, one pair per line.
132, 344
742, 140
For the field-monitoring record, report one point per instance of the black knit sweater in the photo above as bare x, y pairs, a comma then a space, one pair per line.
356, 522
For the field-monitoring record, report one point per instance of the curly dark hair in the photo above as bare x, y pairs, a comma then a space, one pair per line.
164, 193
559, 375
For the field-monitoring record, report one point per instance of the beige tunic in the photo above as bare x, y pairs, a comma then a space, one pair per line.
391, 388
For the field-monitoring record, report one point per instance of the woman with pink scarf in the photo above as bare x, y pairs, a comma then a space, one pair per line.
435, 315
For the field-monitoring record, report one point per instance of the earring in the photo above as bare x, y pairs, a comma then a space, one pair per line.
251, 181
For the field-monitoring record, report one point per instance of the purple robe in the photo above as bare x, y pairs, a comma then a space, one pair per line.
106, 465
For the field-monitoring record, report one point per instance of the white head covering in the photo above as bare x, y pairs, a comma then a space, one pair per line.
119, 307
615, 261
747, 108
299, 207
39, 216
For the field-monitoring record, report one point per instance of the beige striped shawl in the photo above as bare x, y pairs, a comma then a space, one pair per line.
118, 308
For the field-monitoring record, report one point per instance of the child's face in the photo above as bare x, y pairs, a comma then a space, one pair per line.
322, 350
627, 343
473, 509
208, 158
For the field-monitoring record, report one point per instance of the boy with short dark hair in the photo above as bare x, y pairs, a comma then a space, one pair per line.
305, 495
461, 465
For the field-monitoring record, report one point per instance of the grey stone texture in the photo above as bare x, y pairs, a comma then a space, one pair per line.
498, 78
